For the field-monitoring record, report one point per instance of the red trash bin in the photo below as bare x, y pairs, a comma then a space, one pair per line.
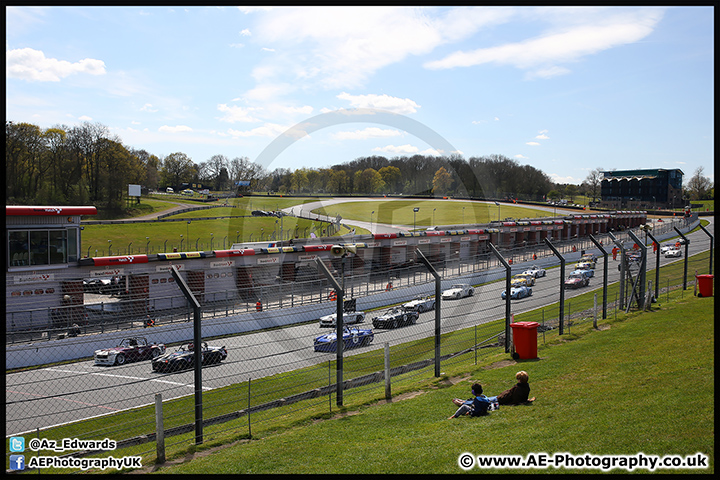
525, 339
705, 285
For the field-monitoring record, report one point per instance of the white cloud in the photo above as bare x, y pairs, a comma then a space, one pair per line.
521, 156
532, 144
175, 129
148, 107
542, 55
236, 114
245, 32
406, 149
542, 136
30, 64
559, 179
271, 130
370, 132
402, 106
342, 47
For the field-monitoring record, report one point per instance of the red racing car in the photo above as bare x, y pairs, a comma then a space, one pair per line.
131, 349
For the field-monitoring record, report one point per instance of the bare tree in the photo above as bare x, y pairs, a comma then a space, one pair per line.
593, 182
699, 186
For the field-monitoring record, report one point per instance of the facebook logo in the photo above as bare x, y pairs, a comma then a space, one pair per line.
17, 444
17, 462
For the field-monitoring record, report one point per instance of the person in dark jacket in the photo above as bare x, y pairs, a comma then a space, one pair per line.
517, 394
475, 407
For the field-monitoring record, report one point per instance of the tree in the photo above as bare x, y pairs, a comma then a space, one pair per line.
699, 186
368, 181
571, 190
151, 164
299, 180
441, 181
592, 184
392, 178
177, 169
23, 152
338, 181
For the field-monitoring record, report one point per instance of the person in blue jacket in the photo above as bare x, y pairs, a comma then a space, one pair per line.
477, 406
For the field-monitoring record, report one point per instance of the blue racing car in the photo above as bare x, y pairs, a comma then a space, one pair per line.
518, 292
352, 337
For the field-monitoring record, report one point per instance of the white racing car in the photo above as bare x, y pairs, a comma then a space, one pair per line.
459, 290
348, 318
535, 271
421, 303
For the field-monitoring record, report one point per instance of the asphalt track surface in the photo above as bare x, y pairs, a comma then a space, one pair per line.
53, 395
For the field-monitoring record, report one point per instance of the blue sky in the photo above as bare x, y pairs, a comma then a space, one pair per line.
566, 90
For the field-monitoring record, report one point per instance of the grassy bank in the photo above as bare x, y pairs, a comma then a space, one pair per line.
643, 383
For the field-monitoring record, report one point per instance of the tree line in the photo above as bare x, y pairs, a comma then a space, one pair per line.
85, 164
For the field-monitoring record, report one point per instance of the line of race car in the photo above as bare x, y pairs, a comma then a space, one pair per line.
138, 349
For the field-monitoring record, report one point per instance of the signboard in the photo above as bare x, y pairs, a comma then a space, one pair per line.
133, 190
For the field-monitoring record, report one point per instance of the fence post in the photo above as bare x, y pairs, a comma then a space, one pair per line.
605, 273
249, 410
197, 340
711, 245
438, 306
339, 341
595, 311
561, 316
657, 264
508, 273
685, 260
388, 394
159, 429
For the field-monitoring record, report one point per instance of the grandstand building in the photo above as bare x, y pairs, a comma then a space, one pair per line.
642, 189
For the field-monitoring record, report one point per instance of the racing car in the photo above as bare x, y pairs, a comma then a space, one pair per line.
522, 279
395, 317
131, 349
576, 280
348, 318
184, 358
459, 290
517, 293
352, 338
535, 271
421, 303
588, 273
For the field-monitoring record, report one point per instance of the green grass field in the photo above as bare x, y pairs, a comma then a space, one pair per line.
238, 226
642, 383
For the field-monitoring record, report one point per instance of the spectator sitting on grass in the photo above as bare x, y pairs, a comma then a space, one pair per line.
517, 394
475, 407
